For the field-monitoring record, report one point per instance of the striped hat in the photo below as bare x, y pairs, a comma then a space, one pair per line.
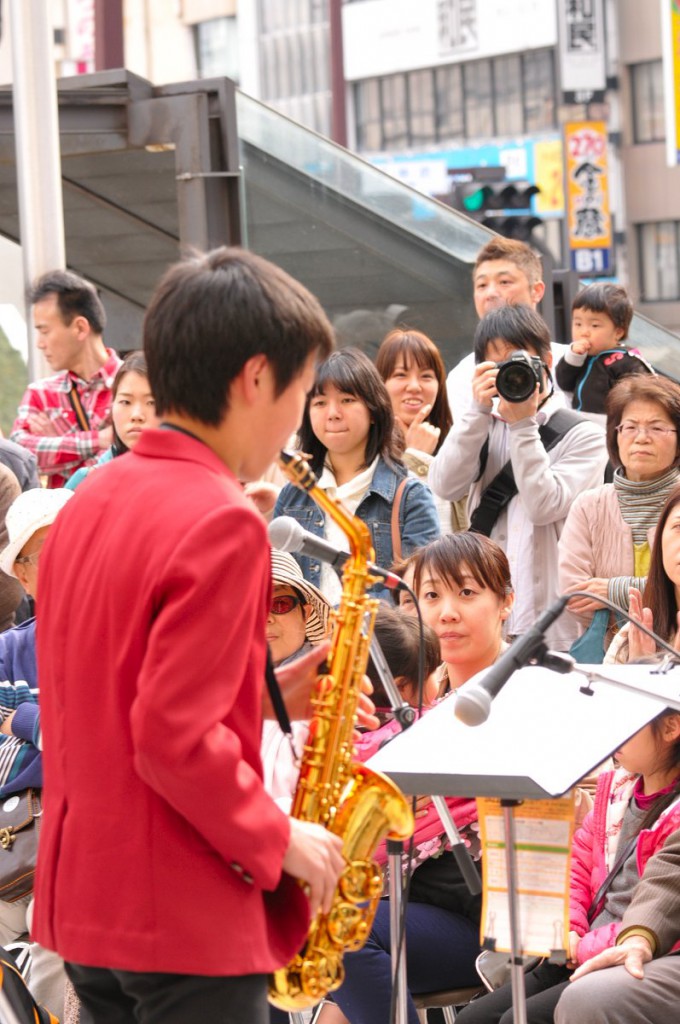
286, 571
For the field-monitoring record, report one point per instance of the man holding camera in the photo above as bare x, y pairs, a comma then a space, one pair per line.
522, 457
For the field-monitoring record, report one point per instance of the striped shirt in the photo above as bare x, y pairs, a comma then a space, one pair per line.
60, 453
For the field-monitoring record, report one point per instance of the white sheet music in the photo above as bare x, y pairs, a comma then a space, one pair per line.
541, 737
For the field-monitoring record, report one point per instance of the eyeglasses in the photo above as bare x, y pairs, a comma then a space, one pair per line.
631, 430
284, 603
31, 559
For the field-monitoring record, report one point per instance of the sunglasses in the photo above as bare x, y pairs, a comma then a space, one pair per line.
284, 603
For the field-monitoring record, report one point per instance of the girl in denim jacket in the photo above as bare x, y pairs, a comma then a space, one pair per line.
348, 433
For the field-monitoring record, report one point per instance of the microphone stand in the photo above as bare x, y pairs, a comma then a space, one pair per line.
562, 663
405, 715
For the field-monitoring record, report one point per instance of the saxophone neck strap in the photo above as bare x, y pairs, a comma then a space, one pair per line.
278, 703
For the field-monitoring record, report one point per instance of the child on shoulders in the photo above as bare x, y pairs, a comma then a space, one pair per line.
597, 357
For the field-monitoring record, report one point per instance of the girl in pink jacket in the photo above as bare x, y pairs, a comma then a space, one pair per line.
636, 808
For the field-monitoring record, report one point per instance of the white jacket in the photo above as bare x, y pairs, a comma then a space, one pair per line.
529, 527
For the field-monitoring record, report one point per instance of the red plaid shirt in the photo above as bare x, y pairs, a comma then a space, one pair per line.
61, 453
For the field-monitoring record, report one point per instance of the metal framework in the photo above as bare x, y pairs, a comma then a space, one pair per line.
146, 172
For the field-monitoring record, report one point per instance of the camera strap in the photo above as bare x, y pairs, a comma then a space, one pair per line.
502, 489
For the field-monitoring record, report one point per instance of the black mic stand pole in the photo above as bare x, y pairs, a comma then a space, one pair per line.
405, 715
519, 996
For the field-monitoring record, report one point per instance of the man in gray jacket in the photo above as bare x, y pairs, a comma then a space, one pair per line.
641, 982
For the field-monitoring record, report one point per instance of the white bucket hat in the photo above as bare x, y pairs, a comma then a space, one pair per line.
27, 514
285, 570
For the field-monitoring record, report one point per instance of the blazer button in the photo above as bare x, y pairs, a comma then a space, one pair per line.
236, 867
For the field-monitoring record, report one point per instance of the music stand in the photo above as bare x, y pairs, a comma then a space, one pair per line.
545, 732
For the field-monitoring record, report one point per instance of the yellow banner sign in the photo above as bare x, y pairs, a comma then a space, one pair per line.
587, 187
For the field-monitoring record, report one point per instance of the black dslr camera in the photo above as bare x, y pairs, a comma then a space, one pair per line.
518, 376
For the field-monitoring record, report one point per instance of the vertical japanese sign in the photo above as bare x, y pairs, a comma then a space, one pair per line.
670, 34
582, 50
589, 229
457, 25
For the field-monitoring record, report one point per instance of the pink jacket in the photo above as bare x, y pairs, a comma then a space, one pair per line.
594, 854
463, 810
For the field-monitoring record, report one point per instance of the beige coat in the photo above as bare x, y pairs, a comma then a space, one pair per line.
595, 541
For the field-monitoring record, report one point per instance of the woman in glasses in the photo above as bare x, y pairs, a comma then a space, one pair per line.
606, 543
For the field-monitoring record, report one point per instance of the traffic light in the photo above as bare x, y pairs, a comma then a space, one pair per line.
503, 206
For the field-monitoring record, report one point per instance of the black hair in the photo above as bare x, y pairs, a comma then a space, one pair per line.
399, 637
607, 298
352, 373
519, 326
134, 362
75, 297
211, 313
446, 557
411, 347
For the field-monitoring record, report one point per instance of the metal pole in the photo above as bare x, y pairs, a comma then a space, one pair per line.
338, 106
36, 133
519, 999
395, 848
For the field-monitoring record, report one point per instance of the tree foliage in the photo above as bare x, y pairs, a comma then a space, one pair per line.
13, 380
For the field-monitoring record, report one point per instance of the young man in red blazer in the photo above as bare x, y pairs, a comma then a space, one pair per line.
167, 875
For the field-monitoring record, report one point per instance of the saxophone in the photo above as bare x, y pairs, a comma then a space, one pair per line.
357, 804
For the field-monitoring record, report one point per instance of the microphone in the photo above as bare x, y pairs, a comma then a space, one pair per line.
286, 534
473, 705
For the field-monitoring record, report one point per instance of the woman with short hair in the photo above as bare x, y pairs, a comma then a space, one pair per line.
605, 547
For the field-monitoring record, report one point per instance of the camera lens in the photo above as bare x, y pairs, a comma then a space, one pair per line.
516, 381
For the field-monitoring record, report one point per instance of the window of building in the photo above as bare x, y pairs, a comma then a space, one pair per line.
539, 90
511, 95
507, 87
449, 99
659, 252
216, 43
421, 108
478, 93
368, 114
394, 112
647, 92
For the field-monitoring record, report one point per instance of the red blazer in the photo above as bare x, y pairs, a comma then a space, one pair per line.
160, 849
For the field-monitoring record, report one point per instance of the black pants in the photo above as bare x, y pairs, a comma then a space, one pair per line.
128, 997
543, 985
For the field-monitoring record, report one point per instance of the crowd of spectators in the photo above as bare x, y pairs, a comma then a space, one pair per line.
532, 471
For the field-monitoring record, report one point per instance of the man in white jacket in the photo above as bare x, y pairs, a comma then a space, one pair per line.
529, 526
505, 272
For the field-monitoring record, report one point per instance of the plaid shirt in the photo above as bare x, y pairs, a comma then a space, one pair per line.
61, 453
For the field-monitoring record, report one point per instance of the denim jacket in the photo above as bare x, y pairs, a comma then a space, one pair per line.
418, 522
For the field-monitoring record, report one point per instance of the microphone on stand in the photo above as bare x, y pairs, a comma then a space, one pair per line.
286, 534
473, 703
